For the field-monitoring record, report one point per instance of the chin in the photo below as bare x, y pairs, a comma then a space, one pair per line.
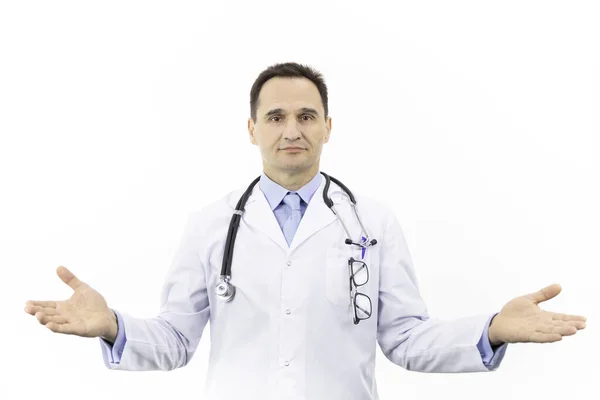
292, 166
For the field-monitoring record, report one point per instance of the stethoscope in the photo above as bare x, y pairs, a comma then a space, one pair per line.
225, 291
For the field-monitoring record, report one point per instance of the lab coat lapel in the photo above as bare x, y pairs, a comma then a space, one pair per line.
316, 217
259, 216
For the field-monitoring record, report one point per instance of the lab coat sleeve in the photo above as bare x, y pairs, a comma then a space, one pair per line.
406, 334
169, 340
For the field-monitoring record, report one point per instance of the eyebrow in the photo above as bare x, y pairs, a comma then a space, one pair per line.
303, 110
306, 110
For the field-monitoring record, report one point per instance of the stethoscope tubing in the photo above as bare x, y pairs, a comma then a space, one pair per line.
225, 291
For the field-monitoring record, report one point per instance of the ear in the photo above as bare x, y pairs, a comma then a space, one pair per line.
251, 131
328, 127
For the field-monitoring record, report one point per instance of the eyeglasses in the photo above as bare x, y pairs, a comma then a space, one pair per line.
359, 276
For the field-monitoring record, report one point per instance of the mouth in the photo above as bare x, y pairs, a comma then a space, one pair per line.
292, 149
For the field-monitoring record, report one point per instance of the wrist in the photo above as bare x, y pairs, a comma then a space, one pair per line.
112, 328
491, 334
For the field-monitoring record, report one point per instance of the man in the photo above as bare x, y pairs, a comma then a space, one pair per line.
308, 307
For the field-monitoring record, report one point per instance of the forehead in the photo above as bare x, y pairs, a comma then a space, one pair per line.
289, 93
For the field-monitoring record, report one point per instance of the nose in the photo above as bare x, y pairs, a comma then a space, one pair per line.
291, 130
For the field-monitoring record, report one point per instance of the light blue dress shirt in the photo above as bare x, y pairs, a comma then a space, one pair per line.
274, 193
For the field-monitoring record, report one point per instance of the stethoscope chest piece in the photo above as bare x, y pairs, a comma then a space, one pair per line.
224, 291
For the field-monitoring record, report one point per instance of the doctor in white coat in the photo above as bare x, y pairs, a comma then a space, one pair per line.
308, 308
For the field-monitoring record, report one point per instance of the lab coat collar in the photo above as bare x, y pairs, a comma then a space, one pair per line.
259, 216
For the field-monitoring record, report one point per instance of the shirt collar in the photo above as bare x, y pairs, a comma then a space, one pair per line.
275, 192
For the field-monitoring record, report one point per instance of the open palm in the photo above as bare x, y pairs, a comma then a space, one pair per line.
85, 314
521, 320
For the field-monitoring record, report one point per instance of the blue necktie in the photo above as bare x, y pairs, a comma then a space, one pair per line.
292, 200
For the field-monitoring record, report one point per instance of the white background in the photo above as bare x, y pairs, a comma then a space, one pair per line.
477, 122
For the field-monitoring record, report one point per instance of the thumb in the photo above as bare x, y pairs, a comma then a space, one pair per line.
67, 277
545, 294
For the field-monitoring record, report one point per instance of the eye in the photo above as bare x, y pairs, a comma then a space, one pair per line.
275, 118
307, 117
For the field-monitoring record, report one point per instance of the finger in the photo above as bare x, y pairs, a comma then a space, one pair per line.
68, 277
540, 337
33, 309
43, 310
51, 304
576, 324
545, 294
45, 319
65, 328
568, 317
564, 329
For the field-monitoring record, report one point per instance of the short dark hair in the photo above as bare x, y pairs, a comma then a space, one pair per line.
288, 70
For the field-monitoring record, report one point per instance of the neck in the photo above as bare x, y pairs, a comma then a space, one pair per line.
292, 180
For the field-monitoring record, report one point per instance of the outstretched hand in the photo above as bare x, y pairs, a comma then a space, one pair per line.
522, 320
85, 314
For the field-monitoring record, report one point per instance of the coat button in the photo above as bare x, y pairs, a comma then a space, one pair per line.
287, 363
289, 263
288, 312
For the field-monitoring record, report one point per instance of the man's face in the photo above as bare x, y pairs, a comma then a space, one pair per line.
290, 127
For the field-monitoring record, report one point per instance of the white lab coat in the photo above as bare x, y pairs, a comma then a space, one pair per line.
288, 333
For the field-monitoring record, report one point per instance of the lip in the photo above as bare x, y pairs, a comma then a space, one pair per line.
292, 149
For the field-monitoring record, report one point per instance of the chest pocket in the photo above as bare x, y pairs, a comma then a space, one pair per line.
337, 274
337, 277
